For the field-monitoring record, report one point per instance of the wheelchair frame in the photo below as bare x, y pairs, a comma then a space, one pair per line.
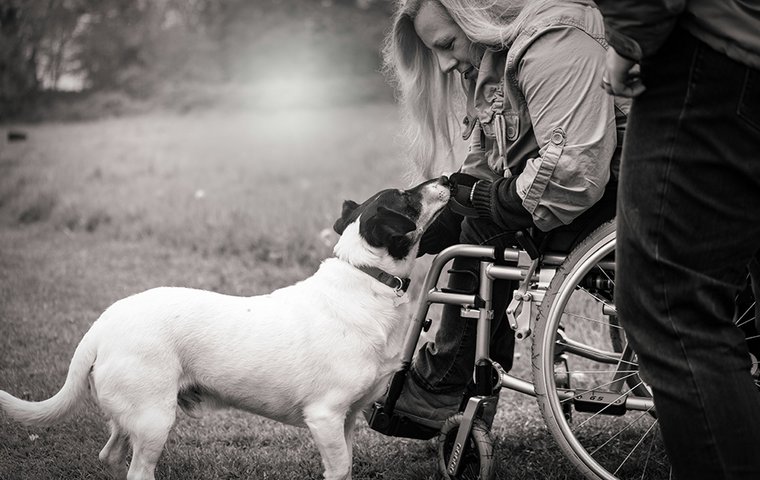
535, 272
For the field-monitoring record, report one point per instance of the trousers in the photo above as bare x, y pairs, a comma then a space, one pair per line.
688, 222
445, 366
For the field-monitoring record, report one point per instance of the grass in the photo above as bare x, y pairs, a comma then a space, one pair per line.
240, 203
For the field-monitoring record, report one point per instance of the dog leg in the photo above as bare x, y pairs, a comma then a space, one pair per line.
114, 454
348, 431
150, 431
328, 430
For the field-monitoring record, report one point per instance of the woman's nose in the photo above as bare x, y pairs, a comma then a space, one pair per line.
446, 63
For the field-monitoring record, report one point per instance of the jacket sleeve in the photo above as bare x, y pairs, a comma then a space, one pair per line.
573, 118
637, 28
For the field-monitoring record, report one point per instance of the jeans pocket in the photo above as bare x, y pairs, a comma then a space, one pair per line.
749, 102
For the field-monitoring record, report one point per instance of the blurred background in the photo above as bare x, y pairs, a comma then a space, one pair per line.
223, 126
198, 143
78, 59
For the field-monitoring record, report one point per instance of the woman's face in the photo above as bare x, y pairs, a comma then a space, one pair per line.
444, 38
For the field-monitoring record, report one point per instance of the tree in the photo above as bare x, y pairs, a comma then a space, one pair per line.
19, 42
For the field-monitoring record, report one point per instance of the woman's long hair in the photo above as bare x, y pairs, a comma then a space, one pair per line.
430, 102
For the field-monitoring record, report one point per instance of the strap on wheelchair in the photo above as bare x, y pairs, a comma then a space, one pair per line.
525, 240
475, 280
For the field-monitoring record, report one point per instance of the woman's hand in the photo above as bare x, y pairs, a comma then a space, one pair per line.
621, 76
461, 200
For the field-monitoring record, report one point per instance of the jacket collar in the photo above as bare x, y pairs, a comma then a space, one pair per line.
489, 85
482, 91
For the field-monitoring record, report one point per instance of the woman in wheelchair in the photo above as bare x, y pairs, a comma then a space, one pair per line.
544, 142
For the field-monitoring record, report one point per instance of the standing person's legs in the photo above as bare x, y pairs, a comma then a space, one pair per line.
688, 224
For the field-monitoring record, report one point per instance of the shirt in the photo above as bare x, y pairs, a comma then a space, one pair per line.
637, 28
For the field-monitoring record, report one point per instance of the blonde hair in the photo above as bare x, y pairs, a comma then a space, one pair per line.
429, 102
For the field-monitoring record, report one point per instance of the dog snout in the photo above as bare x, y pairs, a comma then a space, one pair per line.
434, 189
451, 185
448, 184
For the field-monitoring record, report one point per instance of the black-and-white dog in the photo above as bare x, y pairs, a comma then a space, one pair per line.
312, 354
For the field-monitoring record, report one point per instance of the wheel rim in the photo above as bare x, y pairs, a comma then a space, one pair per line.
612, 447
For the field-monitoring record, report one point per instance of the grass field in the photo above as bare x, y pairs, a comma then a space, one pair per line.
233, 202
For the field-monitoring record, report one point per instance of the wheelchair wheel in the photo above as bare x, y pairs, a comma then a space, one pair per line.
477, 454
612, 433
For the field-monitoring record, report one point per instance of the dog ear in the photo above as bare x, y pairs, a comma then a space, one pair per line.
388, 228
348, 208
398, 222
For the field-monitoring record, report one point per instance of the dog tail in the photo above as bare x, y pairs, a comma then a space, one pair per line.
63, 403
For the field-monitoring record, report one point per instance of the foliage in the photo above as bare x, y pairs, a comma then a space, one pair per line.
145, 47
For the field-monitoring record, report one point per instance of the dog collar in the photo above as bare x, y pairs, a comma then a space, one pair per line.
398, 284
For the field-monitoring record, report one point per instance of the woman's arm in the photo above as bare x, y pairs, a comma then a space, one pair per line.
573, 120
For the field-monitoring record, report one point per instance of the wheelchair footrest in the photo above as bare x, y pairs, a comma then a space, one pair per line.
396, 425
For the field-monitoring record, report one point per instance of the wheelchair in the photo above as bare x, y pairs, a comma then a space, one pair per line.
585, 375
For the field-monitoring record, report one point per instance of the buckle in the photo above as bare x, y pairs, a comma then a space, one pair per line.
399, 289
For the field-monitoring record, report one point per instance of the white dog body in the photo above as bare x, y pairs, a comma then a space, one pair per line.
325, 343
313, 354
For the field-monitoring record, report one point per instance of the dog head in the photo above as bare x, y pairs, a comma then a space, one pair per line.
385, 230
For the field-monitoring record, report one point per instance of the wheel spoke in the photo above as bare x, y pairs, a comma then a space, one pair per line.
594, 320
621, 431
595, 297
654, 424
649, 457
577, 320
601, 372
740, 321
604, 272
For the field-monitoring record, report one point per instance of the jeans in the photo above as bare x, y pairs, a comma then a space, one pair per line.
446, 365
688, 225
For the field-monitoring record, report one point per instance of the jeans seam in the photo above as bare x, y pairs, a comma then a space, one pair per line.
666, 177
750, 122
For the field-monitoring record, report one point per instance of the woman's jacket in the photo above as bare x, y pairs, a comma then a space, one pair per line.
542, 131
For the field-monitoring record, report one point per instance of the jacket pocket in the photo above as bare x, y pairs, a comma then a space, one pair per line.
468, 125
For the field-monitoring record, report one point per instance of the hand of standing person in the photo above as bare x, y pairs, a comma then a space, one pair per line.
622, 76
